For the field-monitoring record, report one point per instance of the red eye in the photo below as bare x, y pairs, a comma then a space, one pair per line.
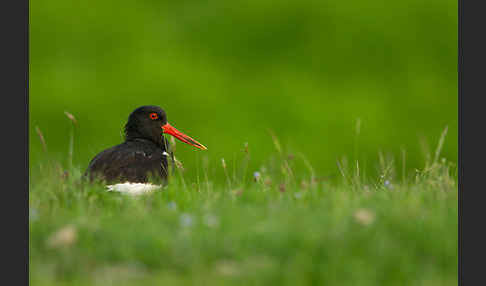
154, 116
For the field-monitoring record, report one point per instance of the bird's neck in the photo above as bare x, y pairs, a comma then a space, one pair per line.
133, 134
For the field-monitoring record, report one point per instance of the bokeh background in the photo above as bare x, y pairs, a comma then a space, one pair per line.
227, 71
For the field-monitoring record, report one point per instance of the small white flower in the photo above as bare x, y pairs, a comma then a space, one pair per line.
185, 220
256, 176
388, 184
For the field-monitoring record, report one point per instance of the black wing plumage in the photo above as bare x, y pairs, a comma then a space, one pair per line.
129, 161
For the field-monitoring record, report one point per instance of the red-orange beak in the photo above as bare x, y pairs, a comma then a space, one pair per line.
181, 136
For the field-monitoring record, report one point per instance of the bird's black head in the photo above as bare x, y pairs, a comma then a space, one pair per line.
149, 122
146, 122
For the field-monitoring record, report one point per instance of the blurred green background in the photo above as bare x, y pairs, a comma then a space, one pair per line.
226, 71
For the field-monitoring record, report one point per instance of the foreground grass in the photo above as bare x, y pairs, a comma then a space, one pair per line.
313, 233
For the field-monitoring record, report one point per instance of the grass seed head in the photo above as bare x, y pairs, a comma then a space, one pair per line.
178, 164
71, 117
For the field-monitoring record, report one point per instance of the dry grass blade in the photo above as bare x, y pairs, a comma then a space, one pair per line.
308, 165
172, 144
441, 143
342, 166
357, 178
223, 164
246, 160
275, 142
71, 138
424, 146
41, 137
404, 176
356, 139
180, 169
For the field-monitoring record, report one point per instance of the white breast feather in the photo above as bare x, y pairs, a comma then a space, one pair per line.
133, 188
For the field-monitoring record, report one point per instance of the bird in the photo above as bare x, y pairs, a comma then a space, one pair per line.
142, 158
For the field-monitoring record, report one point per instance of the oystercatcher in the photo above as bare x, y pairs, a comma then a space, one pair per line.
129, 166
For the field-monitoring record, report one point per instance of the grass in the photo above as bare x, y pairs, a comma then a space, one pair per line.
282, 226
